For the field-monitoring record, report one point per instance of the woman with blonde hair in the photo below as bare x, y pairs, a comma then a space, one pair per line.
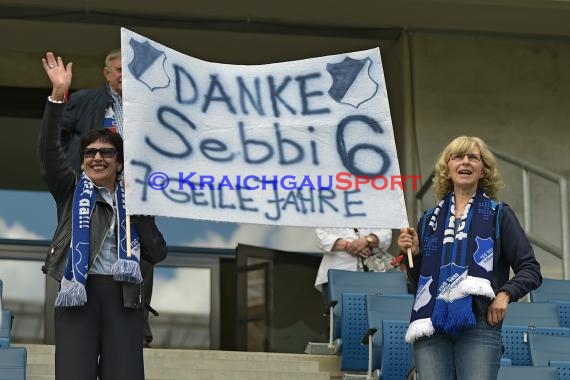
463, 251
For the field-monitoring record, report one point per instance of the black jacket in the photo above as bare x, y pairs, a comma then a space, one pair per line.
84, 111
61, 180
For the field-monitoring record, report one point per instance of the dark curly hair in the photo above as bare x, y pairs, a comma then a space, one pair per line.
104, 135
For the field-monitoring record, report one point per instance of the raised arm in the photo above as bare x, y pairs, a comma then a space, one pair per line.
59, 75
55, 168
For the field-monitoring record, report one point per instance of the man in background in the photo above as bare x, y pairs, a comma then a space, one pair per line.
94, 108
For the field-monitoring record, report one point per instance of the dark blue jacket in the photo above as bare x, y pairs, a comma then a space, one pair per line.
512, 250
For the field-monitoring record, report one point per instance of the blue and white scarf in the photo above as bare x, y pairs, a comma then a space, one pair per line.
72, 290
455, 266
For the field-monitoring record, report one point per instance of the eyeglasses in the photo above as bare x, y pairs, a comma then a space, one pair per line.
473, 157
104, 152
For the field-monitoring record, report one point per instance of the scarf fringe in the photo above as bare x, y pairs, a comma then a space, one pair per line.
71, 293
477, 286
457, 321
419, 328
127, 271
439, 317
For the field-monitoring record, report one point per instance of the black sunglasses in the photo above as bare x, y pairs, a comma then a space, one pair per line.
104, 152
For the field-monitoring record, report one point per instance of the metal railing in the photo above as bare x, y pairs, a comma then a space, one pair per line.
528, 169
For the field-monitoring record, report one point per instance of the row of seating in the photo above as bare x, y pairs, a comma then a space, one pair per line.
341, 281
552, 350
12, 359
524, 318
555, 291
371, 308
531, 336
369, 315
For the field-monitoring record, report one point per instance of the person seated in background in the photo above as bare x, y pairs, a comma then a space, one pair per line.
352, 249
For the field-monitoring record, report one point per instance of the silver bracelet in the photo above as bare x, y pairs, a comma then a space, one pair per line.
55, 101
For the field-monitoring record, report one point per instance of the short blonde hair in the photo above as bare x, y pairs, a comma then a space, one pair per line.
490, 180
113, 54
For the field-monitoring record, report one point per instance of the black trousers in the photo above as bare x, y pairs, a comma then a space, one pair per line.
101, 338
147, 271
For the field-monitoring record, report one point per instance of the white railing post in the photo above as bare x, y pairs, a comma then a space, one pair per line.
565, 225
527, 210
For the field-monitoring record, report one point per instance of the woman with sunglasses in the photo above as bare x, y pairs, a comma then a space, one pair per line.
463, 250
99, 306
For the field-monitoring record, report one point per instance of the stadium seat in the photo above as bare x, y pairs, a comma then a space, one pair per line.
354, 321
563, 312
13, 363
397, 357
362, 318
543, 314
380, 308
523, 318
342, 281
527, 373
557, 291
1, 316
551, 289
5, 328
553, 351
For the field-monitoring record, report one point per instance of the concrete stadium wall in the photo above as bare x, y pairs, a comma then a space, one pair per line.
511, 92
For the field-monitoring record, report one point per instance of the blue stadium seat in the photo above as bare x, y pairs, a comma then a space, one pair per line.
563, 312
523, 318
1, 307
13, 363
342, 281
397, 357
563, 368
553, 351
544, 314
361, 313
354, 355
527, 373
551, 289
5, 328
557, 291
380, 308
515, 341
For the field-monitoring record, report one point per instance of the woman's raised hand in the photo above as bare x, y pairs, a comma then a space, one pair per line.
59, 74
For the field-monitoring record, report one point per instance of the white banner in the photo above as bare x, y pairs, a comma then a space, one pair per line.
301, 143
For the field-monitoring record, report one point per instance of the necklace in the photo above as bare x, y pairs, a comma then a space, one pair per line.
459, 212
